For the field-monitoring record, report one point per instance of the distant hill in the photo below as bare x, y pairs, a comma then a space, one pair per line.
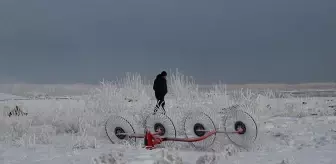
33, 90
6, 96
50, 90
284, 87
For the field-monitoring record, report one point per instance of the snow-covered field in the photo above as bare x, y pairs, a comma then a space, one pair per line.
71, 131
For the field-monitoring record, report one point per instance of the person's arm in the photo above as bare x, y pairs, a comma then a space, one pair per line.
154, 85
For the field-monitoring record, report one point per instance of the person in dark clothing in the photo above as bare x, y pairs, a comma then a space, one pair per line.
160, 88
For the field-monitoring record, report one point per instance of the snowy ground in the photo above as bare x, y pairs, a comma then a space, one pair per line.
291, 130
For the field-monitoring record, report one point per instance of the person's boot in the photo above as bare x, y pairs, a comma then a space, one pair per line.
163, 107
157, 106
164, 111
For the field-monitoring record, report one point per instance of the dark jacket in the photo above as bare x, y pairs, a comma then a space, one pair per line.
160, 85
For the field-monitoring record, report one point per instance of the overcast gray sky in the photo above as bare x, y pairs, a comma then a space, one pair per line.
235, 41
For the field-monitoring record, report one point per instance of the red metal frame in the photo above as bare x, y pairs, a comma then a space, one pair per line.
153, 139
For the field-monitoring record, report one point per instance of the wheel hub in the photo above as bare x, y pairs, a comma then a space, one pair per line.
117, 132
159, 126
240, 127
199, 130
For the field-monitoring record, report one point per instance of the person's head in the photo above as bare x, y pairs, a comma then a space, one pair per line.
164, 74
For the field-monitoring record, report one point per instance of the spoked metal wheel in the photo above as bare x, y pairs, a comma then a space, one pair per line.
197, 124
118, 130
242, 123
161, 122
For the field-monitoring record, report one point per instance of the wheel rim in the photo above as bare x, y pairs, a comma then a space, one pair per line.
163, 122
239, 120
116, 125
195, 121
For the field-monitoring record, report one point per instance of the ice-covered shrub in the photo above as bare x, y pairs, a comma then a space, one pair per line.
246, 99
84, 142
111, 158
219, 95
18, 130
5, 110
181, 87
168, 157
116, 96
133, 88
103, 98
40, 138
288, 161
208, 159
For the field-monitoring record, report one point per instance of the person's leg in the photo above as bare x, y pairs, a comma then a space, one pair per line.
157, 101
157, 106
162, 104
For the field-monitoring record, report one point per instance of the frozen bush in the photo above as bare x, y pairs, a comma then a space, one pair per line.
84, 142
110, 97
168, 157
111, 158
182, 87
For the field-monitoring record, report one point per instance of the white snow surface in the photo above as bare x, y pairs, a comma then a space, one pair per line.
72, 131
